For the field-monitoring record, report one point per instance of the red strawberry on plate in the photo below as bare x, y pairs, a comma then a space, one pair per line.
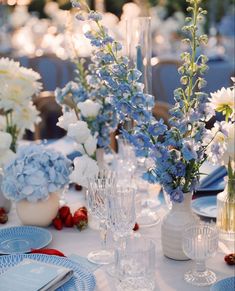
69, 221
57, 222
80, 219
64, 212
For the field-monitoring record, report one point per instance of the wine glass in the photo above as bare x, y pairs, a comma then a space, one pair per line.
97, 205
200, 242
121, 211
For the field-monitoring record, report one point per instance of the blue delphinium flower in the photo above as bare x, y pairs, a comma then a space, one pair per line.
93, 15
188, 150
177, 195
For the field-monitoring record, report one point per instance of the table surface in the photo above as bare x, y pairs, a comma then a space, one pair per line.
169, 273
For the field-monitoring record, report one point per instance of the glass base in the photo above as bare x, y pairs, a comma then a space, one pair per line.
111, 270
195, 278
147, 218
135, 284
101, 257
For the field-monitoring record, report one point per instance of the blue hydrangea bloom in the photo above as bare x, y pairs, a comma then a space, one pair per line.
35, 173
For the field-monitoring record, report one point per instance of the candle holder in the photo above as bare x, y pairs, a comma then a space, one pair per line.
199, 243
139, 48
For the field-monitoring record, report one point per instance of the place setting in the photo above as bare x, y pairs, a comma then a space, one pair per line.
117, 153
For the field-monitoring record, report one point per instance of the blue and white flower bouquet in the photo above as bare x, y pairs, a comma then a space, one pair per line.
174, 155
35, 173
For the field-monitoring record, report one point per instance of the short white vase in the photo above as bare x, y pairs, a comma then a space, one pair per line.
173, 225
40, 213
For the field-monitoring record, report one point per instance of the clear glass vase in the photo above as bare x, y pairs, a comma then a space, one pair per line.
139, 48
226, 211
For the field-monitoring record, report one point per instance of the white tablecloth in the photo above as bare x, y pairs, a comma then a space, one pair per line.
169, 273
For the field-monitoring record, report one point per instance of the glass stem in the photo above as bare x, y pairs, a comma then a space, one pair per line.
200, 266
103, 234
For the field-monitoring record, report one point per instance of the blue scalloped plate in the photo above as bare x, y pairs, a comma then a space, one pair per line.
227, 284
83, 280
21, 239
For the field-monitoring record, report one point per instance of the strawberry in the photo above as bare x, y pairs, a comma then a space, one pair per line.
136, 227
64, 212
80, 219
57, 222
69, 221
83, 209
3, 216
230, 259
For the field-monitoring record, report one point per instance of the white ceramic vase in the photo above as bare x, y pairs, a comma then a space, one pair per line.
173, 225
40, 213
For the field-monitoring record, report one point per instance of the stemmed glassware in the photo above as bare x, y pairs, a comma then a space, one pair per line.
200, 242
97, 205
121, 212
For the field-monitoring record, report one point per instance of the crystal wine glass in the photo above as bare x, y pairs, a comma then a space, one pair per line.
121, 211
97, 205
200, 242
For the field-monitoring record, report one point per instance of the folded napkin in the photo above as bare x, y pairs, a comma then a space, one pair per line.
52, 252
31, 275
214, 177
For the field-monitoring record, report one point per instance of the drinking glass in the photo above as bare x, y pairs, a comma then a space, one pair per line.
135, 266
121, 211
200, 242
97, 205
147, 215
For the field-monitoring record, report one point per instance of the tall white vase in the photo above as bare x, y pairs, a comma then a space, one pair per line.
172, 228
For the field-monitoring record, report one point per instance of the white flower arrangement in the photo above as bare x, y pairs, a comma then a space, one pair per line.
18, 85
221, 150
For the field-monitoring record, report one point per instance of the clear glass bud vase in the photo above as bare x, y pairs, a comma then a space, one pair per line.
226, 211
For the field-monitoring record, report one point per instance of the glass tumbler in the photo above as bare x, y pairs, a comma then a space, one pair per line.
135, 266
200, 242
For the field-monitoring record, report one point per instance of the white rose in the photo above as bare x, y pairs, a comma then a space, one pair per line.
84, 168
6, 140
79, 131
91, 144
89, 108
5, 153
6, 157
66, 119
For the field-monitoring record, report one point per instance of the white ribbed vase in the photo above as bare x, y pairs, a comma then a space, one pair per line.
173, 225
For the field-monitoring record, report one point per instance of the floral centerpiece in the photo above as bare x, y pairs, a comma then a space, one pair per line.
88, 117
174, 154
33, 179
221, 151
17, 111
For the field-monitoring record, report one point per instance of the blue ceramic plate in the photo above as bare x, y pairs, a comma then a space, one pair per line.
82, 280
21, 239
205, 206
227, 284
